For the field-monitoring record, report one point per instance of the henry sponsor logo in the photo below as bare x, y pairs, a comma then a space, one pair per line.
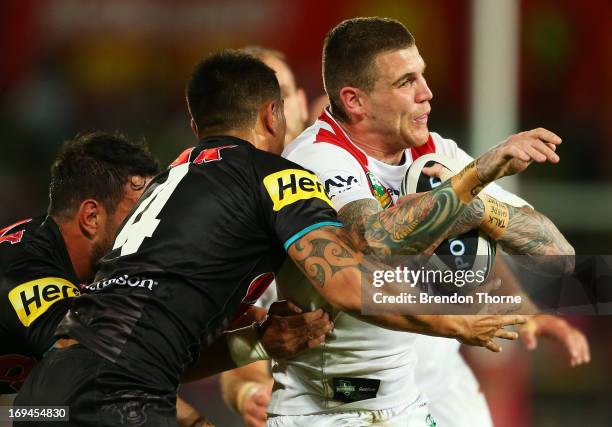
32, 299
339, 184
290, 185
124, 280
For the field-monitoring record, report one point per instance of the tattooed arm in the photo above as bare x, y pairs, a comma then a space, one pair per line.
419, 222
528, 232
525, 231
334, 262
328, 259
416, 222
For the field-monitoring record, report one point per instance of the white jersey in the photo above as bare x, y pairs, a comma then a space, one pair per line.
309, 383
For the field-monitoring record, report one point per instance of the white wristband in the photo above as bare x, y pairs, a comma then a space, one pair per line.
245, 347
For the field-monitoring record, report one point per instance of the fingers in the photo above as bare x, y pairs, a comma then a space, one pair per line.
493, 347
578, 348
535, 154
507, 335
544, 145
530, 340
301, 320
261, 399
438, 171
304, 345
303, 337
284, 308
251, 421
543, 152
518, 152
529, 335
510, 319
545, 136
255, 407
320, 327
434, 170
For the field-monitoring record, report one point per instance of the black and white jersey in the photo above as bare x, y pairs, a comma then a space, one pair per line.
206, 238
37, 283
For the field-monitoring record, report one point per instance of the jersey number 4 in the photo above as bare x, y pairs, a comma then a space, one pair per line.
135, 231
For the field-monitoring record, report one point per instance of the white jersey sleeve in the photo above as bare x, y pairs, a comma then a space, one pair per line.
343, 178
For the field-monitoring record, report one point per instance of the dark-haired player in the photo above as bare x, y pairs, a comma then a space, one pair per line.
248, 389
95, 181
207, 237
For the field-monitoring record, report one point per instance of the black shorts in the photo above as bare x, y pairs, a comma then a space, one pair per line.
98, 392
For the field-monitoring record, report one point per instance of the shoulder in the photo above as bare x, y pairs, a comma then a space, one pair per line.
445, 146
39, 253
19, 241
265, 162
316, 151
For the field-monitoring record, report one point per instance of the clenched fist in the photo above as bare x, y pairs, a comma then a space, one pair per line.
287, 331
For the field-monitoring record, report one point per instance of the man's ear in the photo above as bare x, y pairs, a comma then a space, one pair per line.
272, 118
89, 217
352, 101
194, 127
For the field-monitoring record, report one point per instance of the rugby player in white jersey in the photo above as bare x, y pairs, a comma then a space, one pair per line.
361, 148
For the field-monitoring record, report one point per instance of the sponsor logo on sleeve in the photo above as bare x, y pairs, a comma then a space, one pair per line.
290, 185
339, 184
32, 299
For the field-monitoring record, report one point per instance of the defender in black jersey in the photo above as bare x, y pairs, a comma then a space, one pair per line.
205, 238
36, 287
95, 182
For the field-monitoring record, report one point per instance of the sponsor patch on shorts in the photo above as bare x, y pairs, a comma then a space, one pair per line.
290, 185
32, 299
348, 389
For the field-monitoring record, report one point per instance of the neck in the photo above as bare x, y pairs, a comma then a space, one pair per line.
78, 247
373, 143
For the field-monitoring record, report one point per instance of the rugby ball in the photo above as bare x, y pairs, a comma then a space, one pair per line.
473, 251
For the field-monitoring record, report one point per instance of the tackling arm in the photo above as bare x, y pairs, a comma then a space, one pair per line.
284, 333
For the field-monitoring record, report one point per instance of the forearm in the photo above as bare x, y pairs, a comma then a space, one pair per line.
523, 231
233, 382
417, 223
437, 325
529, 232
340, 274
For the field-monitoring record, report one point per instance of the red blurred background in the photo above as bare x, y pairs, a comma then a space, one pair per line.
71, 65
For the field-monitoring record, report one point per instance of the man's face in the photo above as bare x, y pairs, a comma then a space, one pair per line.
133, 189
398, 105
294, 98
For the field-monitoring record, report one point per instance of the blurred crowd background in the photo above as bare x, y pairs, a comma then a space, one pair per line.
70, 66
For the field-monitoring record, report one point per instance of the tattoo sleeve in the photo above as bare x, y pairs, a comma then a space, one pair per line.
528, 233
416, 224
531, 233
343, 276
